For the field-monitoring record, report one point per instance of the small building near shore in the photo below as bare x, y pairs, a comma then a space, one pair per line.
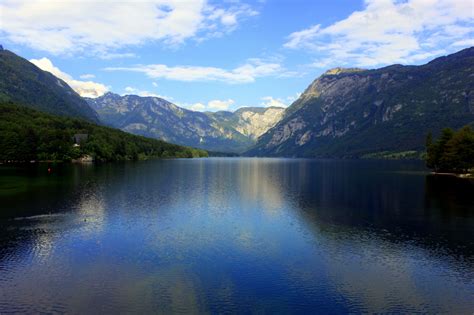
80, 137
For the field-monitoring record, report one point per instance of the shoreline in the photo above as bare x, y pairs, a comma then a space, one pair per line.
458, 175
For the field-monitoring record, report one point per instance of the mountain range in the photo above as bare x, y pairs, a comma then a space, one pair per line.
346, 112
364, 113
157, 118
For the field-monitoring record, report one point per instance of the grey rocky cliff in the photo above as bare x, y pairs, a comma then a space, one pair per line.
352, 112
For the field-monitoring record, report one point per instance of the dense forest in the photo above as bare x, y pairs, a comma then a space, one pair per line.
28, 134
452, 152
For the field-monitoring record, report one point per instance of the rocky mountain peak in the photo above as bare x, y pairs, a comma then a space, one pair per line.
339, 70
109, 95
255, 121
324, 83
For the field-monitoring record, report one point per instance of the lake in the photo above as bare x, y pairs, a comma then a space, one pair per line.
234, 235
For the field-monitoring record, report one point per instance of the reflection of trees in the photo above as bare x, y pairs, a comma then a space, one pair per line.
37, 207
449, 204
453, 196
354, 192
37, 192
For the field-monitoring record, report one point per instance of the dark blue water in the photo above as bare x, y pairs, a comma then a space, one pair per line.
236, 235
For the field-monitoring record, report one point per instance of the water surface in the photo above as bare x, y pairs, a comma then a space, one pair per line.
236, 235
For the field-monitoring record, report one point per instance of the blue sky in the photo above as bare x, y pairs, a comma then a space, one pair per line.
214, 55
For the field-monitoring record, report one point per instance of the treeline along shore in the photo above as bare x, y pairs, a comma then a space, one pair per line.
452, 152
30, 135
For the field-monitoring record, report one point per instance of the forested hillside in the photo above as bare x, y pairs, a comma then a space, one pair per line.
28, 134
24, 83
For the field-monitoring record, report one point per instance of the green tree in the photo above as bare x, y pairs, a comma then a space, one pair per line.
452, 152
459, 151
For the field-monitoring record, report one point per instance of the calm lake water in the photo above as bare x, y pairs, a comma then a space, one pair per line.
236, 235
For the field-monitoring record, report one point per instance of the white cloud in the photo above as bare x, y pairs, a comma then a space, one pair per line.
83, 88
220, 104
199, 107
269, 101
213, 105
464, 43
154, 84
99, 27
248, 72
228, 105
223, 21
108, 56
134, 91
390, 31
228, 19
87, 76
301, 38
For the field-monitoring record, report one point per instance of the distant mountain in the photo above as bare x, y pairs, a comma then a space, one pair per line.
357, 113
252, 122
23, 82
155, 117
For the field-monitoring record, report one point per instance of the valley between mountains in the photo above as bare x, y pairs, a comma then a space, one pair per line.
155, 117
